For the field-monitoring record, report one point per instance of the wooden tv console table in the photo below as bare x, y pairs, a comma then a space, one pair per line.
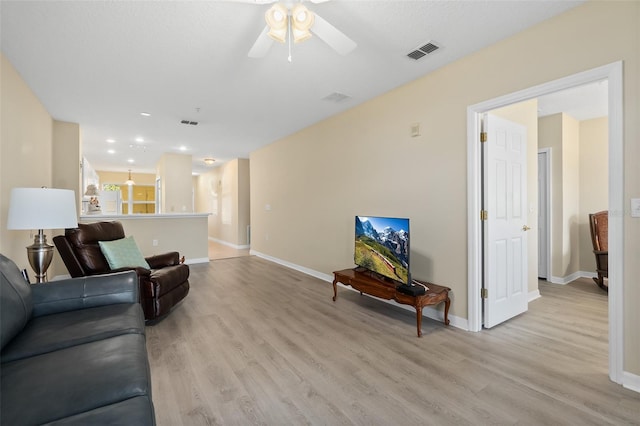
386, 289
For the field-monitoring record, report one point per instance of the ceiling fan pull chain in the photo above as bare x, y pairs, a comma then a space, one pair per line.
289, 34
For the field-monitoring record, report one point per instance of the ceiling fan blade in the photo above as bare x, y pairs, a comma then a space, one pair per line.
332, 36
262, 44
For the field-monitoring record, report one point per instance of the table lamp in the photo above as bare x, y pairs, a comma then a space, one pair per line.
41, 208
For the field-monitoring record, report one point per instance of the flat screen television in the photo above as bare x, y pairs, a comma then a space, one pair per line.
382, 246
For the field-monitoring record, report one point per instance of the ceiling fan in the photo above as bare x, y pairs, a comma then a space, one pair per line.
292, 18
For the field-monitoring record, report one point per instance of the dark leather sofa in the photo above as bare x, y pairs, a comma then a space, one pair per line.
73, 351
161, 287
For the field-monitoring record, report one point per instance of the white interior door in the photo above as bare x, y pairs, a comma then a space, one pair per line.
505, 230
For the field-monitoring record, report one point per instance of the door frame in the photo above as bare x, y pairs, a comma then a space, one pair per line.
547, 161
614, 74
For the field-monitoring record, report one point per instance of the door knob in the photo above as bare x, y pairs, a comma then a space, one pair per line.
525, 228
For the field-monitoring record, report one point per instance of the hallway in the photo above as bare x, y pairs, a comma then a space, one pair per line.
222, 251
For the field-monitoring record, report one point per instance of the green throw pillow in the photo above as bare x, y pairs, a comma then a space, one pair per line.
123, 253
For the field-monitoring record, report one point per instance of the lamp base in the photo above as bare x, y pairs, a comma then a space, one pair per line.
40, 255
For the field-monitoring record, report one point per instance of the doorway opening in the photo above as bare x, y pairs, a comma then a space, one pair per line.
613, 74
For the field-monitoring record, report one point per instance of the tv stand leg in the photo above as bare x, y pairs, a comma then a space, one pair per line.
419, 320
335, 289
447, 303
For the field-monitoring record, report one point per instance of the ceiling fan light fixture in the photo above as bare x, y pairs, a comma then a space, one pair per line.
300, 36
276, 18
302, 21
278, 35
289, 21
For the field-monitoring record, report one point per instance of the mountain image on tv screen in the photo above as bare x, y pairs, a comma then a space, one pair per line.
382, 246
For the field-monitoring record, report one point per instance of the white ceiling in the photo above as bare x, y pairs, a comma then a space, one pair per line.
102, 63
582, 102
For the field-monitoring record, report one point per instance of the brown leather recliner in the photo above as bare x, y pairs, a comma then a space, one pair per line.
161, 287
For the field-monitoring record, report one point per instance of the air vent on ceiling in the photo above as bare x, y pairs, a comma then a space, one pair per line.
193, 123
423, 50
416, 54
336, 97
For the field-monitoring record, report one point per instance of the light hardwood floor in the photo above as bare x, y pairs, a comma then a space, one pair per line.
220, 251
257, 343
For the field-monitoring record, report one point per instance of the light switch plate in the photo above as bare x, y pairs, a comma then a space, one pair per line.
635, 207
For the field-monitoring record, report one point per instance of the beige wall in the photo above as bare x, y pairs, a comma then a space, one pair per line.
579, 187
244, 202
174, 171
202, 191
25, 155
224, 192
67, 156
118, 178
184, 234
526, 114
570, 194
364, 161
594, 181
550, 136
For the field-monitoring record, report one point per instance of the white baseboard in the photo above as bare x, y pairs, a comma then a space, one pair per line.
533, 295
225, 243
316, 274
631, 381
572, 277
427, 311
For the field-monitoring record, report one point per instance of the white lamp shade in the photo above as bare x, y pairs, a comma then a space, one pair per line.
302, 20
277, 19
42, 208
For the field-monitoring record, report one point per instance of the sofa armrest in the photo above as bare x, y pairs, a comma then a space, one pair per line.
84, 292
163, 260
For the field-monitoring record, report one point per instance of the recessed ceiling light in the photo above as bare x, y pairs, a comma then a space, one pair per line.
145, 114
111, 151
139, 139
131, 160
183, 148
111, 140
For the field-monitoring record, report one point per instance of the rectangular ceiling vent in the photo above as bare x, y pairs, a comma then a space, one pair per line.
423, 50
336, 97
193, 123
